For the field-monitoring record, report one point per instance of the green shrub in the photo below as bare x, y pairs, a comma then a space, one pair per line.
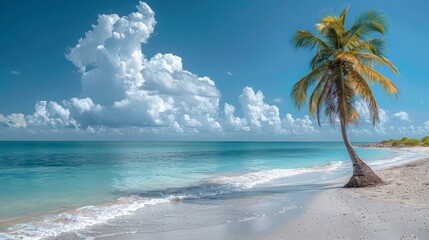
412, 142
396, 143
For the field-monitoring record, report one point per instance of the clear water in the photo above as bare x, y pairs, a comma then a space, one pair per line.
41, 177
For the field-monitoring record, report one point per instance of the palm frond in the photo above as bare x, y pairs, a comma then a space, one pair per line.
373, 60
375, 46
333, 36
363, 90
326, 22
367, 23
299, 91
322, 98
307, 39
343, 17
374, 76
320, 58
332, 101
345, 95
317, 93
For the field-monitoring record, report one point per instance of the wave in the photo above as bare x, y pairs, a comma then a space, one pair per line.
250, 180
53, 225
399, 156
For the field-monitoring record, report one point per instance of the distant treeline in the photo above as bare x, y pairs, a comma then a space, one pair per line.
413, 142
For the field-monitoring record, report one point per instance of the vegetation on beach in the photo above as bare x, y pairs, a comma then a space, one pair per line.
341, 71
407, 142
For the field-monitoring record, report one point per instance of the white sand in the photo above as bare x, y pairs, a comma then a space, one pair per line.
397, 210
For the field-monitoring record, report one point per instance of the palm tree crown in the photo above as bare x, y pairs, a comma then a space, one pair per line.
344, 66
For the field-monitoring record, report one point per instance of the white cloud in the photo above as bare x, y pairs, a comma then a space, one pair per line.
235, 122
259, 116
51, 114
402, 116
15, 72
299, 125
383, 116
256, 111
383, 127
363, 111
122, 88
14, 120
360, 131
110, 55
277, 100
83, 105
414, 130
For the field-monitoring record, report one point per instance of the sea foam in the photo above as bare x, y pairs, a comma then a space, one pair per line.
53, 225
249, 180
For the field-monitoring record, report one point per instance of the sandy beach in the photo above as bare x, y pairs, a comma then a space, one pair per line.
309, 205
397, 210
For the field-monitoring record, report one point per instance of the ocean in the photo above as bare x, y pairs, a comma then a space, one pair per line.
52, 188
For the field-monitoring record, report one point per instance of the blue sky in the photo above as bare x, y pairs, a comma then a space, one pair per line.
236, 44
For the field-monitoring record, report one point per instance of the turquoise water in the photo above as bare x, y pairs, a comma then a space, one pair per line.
41, 177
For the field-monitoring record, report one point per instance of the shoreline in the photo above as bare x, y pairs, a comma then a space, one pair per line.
259, 212
397, 210
270, 214
389, 146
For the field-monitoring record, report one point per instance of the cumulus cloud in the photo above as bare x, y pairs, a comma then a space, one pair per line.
257, 113
383, 116
299, 125
384, 126
123, 88
363, 111
402, 116
416, 130
258, 116
14, 120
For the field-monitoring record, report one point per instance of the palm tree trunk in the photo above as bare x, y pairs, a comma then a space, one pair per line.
363, 175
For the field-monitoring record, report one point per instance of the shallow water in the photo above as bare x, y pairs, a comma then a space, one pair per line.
86, 183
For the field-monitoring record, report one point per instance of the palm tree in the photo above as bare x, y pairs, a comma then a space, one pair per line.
342, 70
